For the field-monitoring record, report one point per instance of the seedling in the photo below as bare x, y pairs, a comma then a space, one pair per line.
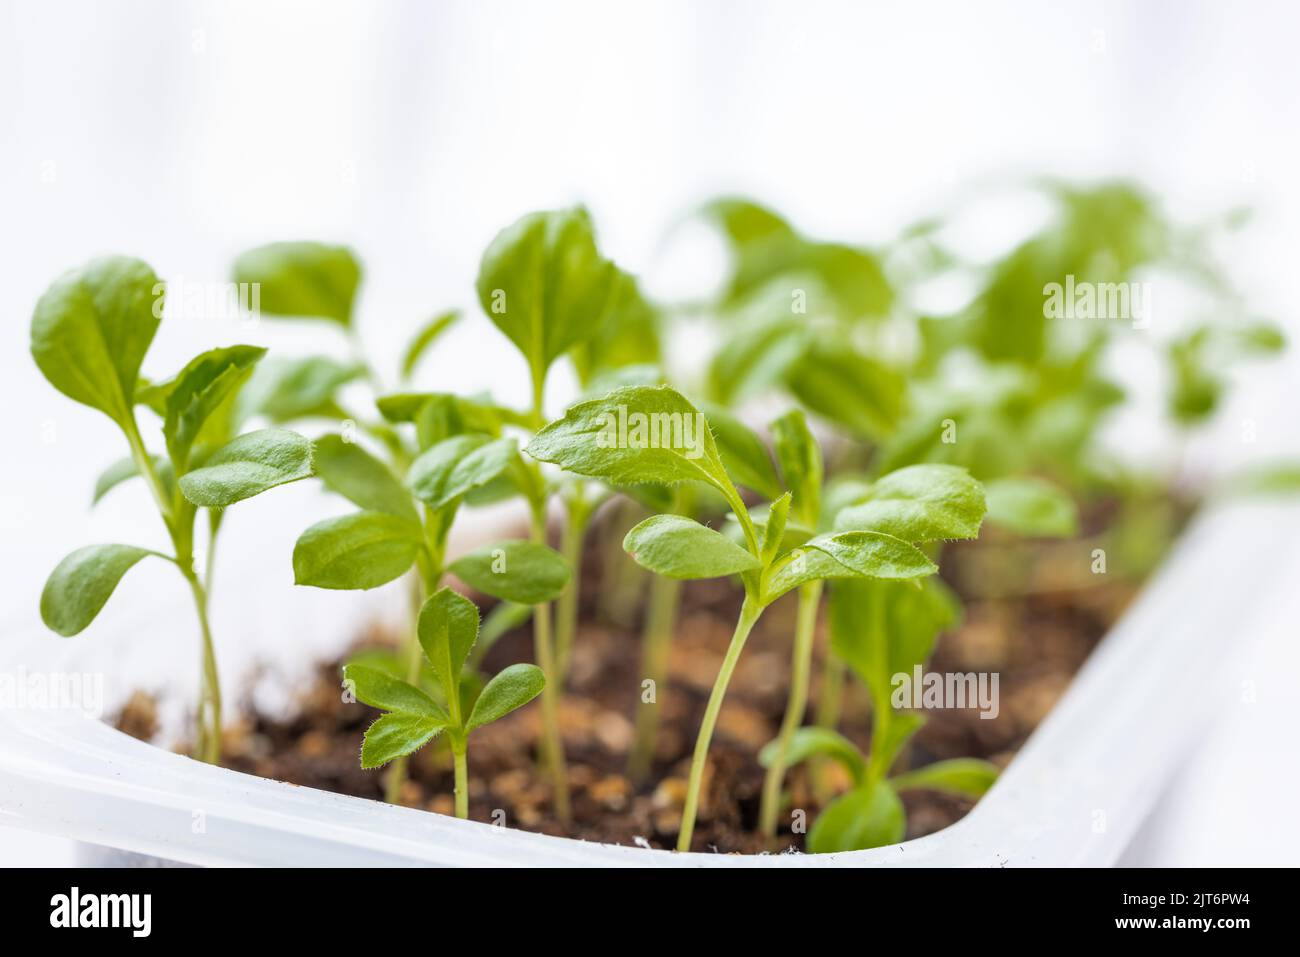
668, 441
448, 628
89, 336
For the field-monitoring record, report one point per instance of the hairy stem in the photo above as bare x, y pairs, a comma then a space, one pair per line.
800, 669
749, 613
462, 781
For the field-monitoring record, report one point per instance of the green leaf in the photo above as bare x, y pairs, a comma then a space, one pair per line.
774, 528
800, 458
884, 628
248, 466
396, 735
80, 585
379, 689
545, 285
627, 338
199, 390
756, 358
285, 390
348, 469
743, 453
635, 435
807, 742
967, 777
892, 731
920, 503
447, 628
1031, 507
847, 388
868, 554
357, 551
305, 279
511, 688
126, 468
1266, 478
518, 571
861, 819
91, 329
679, 547
425, 338
449, 469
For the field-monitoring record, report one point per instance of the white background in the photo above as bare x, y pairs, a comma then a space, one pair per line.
184, 132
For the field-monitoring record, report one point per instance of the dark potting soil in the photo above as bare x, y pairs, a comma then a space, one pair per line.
1034, 611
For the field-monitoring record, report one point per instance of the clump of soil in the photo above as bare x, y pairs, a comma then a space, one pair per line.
1035, 635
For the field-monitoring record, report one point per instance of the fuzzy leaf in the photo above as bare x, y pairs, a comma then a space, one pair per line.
91, 329
351, 471
545, 285
920, 503
452, 467
306, 279
861, 819
967, 777
679, 547
518, 571
396, 735
199, 390
80, 585
635, 435
1031, 507
511, 688
425, 338
248, 466
448, 627
357, 551
807, 742
379, 689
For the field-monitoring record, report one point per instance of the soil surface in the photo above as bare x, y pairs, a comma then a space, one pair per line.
1034, 611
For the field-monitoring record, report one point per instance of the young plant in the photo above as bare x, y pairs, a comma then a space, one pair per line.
89, 336
546, 287
647, 434
448, 629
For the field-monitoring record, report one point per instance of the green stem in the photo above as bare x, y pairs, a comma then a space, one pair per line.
462, 781
656, 640
800, 668
552, 742
209, 739
749, 613
566, 606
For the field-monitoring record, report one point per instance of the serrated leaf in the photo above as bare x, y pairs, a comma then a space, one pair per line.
447, 628
207, 382
426, 337
632, 436
357, 551
861, 819
396, 735
524, 572
967, 777
920, 503
91, 330
679, 547
248, 466
379, 689
452, 467
544, 284
1031, 507
743, 453
348, 469
807, 742
302, 279
511, 688
81, 584
800, 458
